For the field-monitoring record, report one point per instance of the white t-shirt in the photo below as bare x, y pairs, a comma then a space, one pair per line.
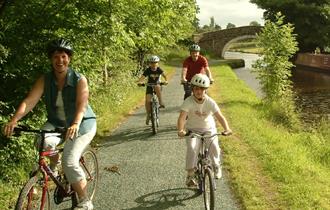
60, 106
200, 116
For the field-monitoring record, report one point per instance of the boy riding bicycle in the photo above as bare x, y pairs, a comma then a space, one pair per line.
197, 115
153, 73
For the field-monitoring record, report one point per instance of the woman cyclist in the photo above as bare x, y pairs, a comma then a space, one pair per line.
153, 73
196, 115
66, 98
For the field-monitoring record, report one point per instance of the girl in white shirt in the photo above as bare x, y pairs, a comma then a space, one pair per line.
196, 115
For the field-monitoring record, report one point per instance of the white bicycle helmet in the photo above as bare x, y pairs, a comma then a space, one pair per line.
194, 47
200, 80
154, 59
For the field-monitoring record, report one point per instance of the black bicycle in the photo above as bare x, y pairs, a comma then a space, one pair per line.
37, 191
204, 172
154, 104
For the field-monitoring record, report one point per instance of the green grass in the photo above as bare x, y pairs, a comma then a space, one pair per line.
245, 46
270, 167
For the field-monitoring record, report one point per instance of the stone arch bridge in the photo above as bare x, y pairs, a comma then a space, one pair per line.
219, 41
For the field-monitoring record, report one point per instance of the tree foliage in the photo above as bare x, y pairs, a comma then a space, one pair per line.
254, 23
110, 39
274, 68
230, 25
310, 18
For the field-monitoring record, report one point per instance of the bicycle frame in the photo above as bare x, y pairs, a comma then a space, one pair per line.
39, 182
43, 166
154, 105
204, 149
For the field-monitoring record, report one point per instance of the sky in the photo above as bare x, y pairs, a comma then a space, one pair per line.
238, 12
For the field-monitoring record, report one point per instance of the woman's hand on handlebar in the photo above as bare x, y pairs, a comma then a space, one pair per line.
72, 131
9, 128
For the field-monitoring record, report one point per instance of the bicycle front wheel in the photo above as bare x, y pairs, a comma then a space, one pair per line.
89, 163
208, 186
31, 196
154, 117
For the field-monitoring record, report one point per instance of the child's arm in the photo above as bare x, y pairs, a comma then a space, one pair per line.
141, 79
223, 121
163, 75
181, 123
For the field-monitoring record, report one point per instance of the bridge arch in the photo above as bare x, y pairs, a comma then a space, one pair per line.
225, 48
218, 41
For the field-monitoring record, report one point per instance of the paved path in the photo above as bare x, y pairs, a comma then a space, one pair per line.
245, 73
151, 167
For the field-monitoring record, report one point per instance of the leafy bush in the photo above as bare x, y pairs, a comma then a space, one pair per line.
274, 68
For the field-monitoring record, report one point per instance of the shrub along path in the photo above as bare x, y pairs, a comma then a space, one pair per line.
151, 167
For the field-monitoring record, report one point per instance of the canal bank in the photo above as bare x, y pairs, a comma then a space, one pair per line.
267, 160
312, 87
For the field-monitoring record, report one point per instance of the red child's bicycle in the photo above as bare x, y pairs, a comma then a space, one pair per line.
37, 192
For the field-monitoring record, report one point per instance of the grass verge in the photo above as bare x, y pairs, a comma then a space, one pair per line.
270, 166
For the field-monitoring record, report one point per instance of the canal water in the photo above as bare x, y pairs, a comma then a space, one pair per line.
312, 87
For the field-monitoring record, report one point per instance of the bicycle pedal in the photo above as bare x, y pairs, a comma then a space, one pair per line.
59, 195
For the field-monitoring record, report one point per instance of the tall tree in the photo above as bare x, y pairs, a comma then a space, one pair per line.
311, 20
254, 23
230, 25
158, 24
212, 22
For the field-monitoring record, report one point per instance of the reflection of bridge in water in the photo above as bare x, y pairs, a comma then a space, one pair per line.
219, 41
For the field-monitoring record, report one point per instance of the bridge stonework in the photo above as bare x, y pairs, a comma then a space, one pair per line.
218, 41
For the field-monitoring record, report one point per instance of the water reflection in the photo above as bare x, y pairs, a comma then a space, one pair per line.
313, 91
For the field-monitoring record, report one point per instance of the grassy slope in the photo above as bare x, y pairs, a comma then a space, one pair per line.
271, 168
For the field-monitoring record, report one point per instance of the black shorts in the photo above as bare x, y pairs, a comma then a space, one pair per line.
149, 90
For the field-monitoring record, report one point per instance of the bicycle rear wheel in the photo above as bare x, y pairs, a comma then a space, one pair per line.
154, 117
31, 196
208, 193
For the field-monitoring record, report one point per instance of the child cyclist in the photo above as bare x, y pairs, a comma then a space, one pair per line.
196, 115
153, 73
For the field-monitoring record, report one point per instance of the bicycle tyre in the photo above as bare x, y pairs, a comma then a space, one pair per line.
92, 176
208, 192
32, 188
200, 176
154, 117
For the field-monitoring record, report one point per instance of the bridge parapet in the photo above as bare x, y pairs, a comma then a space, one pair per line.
216, 41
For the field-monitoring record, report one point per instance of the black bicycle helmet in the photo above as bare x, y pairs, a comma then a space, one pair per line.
59, 45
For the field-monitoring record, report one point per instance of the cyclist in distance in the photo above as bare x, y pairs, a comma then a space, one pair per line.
153, 73
194, 64
65, 93
196, 115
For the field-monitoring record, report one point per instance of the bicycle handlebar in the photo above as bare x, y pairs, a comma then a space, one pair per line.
203, 135
19, 129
